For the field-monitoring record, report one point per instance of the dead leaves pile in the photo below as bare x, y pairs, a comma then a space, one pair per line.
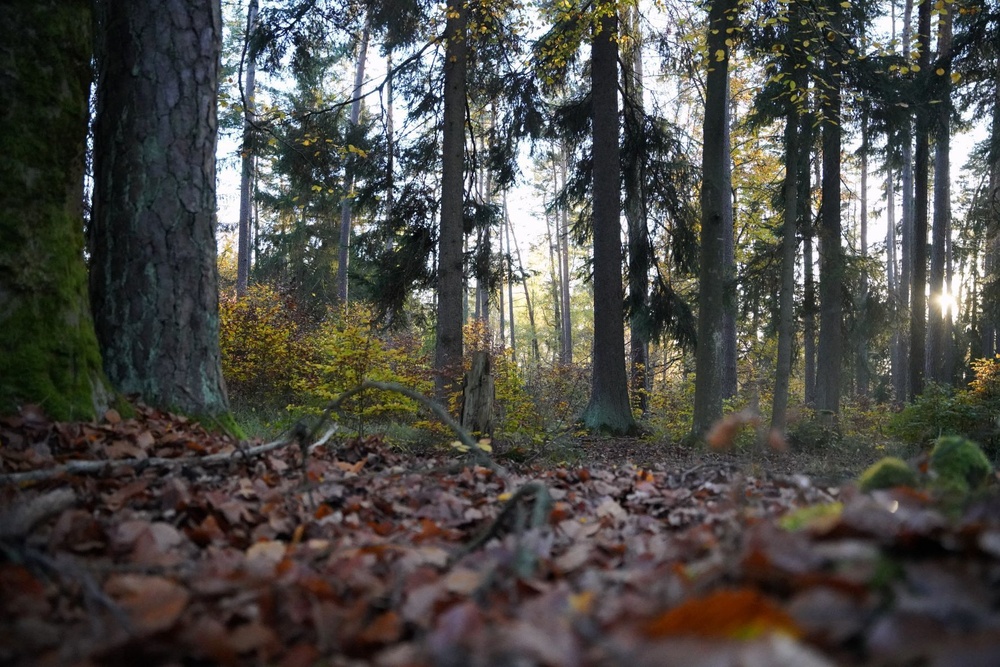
363, 561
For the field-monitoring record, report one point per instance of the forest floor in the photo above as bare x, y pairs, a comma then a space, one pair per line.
149, 540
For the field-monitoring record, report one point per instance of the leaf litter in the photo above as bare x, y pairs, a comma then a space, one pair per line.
365, 555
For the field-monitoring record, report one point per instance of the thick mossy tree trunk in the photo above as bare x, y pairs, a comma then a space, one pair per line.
608, 409
48, 351
154, 281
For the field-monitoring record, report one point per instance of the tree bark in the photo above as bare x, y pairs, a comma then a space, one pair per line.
50, 355
906, 229
831, 252
154, 281
639, 249
344, 249
450, 308
808, 282
716, 219
247, 156
786, 304
918, 303
938, 340
608, 409
862, 374
564, 279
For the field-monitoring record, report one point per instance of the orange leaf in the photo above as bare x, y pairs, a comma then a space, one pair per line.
735, 614
154, 603
385, 629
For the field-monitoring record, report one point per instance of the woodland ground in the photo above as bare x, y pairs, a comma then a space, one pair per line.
150, 540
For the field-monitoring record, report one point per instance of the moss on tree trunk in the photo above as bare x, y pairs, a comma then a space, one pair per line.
49, 351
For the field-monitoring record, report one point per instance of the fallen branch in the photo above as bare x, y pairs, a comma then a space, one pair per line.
89, 467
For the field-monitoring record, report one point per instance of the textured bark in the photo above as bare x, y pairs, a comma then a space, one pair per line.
862, 374
831, 252
990, 326
566, 355
154, 279
786, 302
918, 303
450, 306
248, 155
938, 340
639, 250
716, 218
906, 231
50, 355
808, 291
608, 409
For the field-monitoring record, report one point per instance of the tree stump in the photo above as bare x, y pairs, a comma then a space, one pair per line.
478, 395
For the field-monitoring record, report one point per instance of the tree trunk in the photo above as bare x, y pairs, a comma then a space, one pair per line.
786, 304
938, 340
564, 280
990, 326
344, 249
809, 281
862, 375
639, 249
536, 354
918, 304
478, 396
608, 409
716, 220
906, 229
510, 277
247, 155
154, 281
448, 344
831, 252
50, 355
552, 236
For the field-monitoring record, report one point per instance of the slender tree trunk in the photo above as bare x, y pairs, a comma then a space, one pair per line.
938, 340
153, 276
608, 409
50, 355
450, 308
831, 257
247, 158
906, 229
536, 355
862, 375
639, 249
809, 307
918, 305
510, 277
344, 249
552, 239
786, 304
716, 222
564, 280
991, 262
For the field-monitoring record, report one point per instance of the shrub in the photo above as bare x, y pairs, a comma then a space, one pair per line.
958, 464
263, 343
970, 412
347, 350
887, 473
